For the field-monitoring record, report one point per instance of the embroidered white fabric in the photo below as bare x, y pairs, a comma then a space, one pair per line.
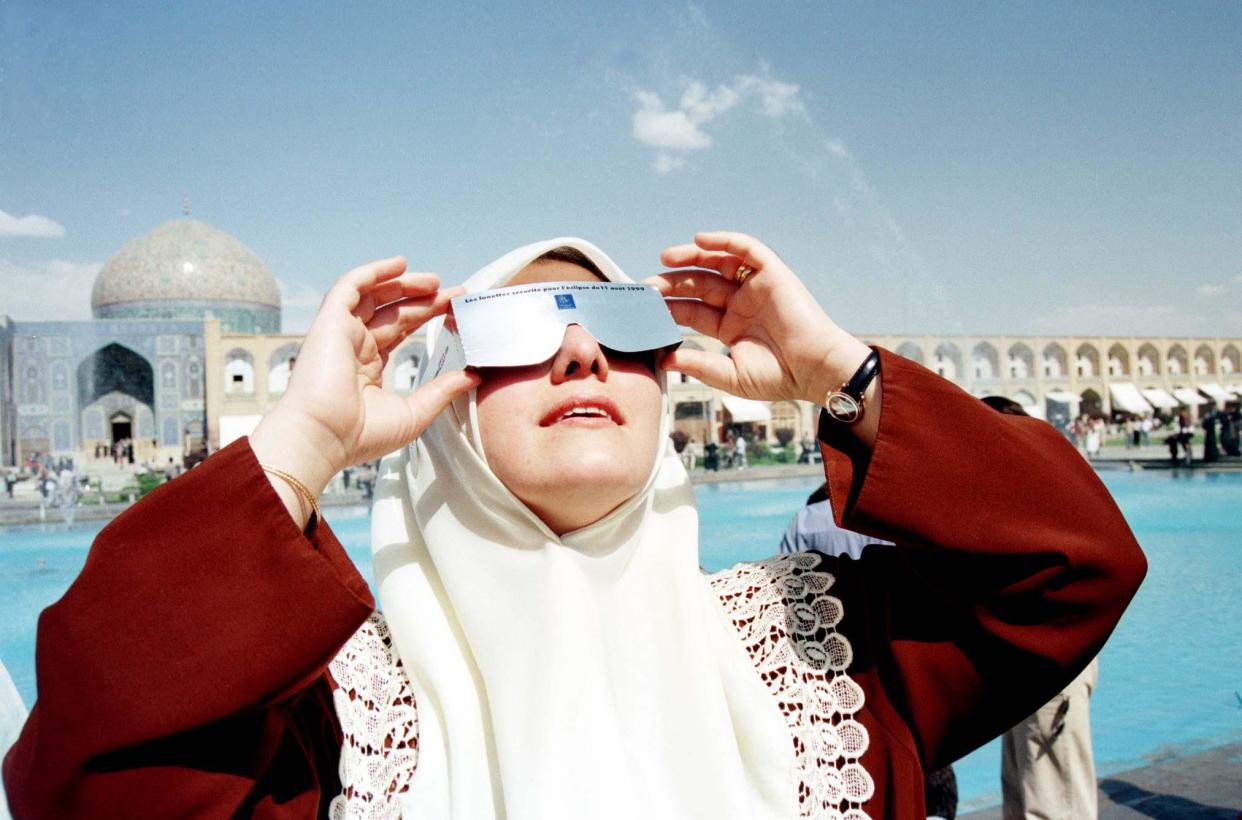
379, 720
786, 620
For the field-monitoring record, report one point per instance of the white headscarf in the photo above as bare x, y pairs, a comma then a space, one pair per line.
587, 675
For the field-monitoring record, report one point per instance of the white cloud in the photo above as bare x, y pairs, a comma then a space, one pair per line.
1210, 290
776, 98
667, 162
32, 225
53, 290
683, 128
658, 127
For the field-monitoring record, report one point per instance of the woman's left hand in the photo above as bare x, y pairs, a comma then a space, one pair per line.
781, 343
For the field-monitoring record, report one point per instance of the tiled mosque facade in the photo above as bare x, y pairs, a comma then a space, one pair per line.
137, 372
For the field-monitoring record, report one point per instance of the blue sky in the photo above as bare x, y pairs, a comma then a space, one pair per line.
929, 167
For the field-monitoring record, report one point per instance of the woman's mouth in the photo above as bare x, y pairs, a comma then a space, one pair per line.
579, 410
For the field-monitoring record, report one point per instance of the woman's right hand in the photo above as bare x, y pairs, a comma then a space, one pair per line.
335, 411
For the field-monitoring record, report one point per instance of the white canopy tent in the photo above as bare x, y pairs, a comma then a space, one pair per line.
1188, 397
1160, 398
1128, 399
747, 410
1217, 393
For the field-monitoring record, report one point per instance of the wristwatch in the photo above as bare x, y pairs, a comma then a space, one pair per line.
845, 404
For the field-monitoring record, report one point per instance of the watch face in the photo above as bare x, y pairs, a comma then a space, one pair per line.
843, 407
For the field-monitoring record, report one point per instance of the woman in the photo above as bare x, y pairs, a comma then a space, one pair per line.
548, 647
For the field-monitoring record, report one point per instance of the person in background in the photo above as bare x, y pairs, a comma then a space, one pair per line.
1185, 432
1095, 429
1229, 438
711, 456
807, 445
739, 452
1047, 766
1210, 450
815, 528
67, 491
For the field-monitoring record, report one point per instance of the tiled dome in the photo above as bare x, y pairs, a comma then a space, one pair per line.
183, 261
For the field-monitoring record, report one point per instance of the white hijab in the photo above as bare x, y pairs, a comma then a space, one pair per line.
587, 675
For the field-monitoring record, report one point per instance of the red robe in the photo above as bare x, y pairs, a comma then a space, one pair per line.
184, 672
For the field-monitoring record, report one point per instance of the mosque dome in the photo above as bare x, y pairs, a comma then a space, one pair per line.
186, 269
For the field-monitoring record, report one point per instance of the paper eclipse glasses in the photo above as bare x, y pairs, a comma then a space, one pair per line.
525, 324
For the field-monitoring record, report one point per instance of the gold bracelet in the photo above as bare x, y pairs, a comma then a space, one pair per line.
301, 489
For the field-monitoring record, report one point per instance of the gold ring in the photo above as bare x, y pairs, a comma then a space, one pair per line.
743, 273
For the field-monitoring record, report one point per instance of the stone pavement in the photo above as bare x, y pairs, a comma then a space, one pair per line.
1203, 786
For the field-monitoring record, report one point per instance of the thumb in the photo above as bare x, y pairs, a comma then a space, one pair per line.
431, 398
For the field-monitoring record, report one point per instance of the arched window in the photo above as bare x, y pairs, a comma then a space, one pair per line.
1055, 361
239, 373
1229, 359
985, 361
1205, 361
406, 375
1021, 362
408, 357
1118, 361
280, 368
1178, 362
1148, 363
1087, 361
947, 361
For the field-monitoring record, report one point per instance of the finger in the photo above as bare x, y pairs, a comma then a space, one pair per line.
428, 400
698, 316
753, 253
713, 369
708, 286
405, 286
685, 256
396, 320
347, 291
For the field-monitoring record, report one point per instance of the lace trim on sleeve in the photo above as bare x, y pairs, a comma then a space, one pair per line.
787, 622
379, 720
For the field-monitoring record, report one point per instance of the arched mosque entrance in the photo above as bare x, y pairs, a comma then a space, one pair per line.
116, 394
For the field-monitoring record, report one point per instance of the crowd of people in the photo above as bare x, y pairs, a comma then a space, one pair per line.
1221, 428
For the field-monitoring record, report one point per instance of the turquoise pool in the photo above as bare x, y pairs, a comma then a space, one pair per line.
1168, 677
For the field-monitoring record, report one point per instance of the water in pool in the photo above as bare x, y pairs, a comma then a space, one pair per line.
1169, 677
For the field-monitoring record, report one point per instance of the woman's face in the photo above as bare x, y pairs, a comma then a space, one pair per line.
576, 436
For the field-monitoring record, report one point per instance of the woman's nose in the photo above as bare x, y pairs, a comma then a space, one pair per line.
580, 355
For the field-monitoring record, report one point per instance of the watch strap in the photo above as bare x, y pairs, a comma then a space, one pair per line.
861, 380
